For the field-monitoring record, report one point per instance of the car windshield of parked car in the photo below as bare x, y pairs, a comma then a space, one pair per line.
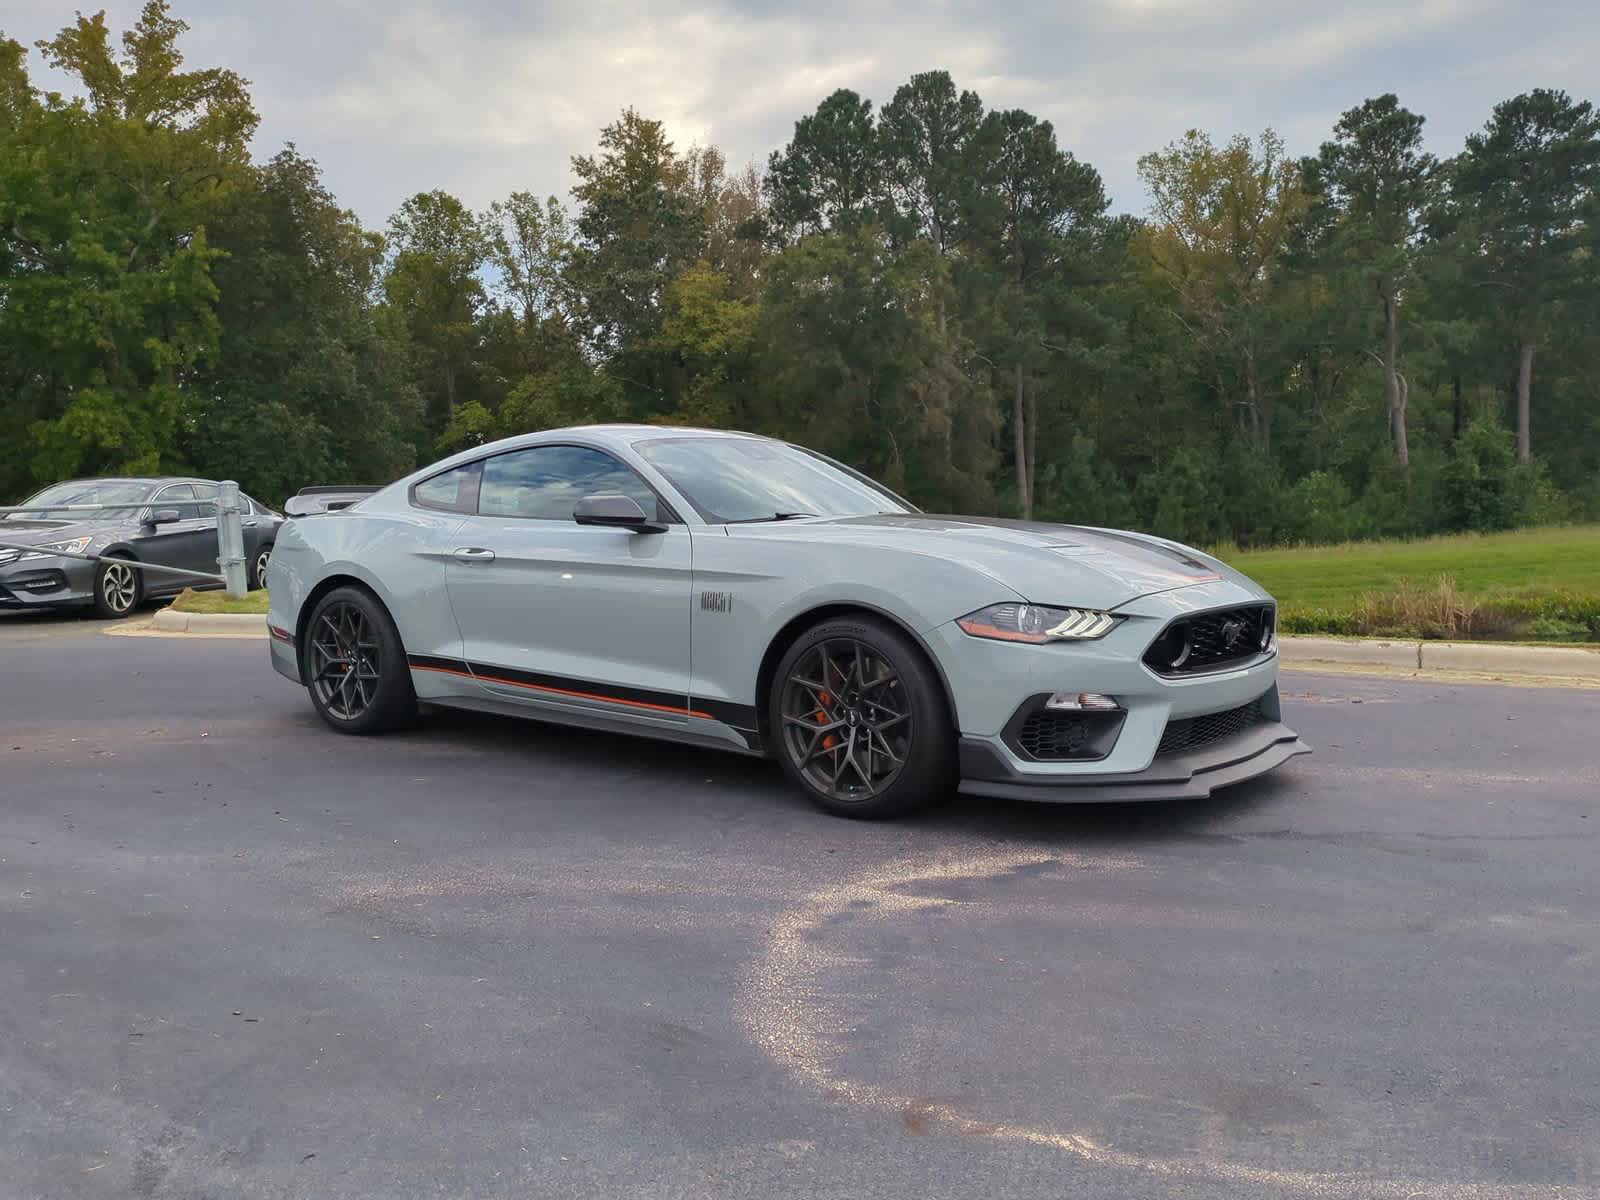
85, 491
730, 480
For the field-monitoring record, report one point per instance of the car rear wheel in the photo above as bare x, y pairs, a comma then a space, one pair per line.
258, 568
355, 667
117, 589
860, 721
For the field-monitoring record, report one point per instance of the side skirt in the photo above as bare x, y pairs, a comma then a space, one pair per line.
711, 735
668, 715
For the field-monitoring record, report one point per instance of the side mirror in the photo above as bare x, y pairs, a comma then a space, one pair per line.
163, 516
615, 512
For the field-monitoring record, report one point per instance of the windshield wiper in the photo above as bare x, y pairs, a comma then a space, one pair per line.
777, 516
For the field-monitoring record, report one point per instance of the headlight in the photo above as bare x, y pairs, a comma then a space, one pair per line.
1036, 624
50, 549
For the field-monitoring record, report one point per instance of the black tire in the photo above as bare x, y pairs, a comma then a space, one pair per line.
864, 684
256, 568
355, 665
117, 589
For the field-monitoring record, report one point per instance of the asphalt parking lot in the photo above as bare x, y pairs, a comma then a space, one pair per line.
244, 957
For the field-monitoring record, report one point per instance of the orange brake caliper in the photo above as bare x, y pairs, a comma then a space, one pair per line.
828, 740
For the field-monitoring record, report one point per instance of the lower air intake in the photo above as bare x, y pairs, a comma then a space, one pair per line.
1191, 733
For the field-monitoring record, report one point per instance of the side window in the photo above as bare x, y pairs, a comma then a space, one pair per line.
546, 483
455, 490
178, 491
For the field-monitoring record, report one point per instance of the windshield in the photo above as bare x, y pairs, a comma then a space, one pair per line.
83, 491
748, 479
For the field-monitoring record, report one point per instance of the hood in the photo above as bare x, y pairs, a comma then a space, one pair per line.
34, 533
1042, 563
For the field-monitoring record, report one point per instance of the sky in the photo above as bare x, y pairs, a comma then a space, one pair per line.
484, 97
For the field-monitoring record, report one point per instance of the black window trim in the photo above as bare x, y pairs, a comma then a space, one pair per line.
666, 514
474, 466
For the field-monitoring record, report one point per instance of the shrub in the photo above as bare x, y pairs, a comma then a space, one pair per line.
1478, 486
1320, 509
1181, 500
1439, 610
1554, 629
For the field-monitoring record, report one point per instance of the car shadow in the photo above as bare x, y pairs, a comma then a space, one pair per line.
74, 616
743, 780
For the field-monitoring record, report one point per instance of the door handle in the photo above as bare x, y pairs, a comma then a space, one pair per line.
474, 554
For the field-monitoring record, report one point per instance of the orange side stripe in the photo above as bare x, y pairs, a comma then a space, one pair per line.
540, 687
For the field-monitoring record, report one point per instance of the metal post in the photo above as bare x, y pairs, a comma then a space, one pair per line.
230, 538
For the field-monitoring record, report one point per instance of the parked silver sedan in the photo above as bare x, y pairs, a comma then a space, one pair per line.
170, 521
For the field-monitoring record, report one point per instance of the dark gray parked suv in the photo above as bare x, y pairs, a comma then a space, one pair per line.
171, 521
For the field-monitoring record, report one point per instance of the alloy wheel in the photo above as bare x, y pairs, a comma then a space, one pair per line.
261, 566
344, 653
847, 721
118, 587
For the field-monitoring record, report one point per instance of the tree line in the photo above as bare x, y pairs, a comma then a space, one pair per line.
1363, 341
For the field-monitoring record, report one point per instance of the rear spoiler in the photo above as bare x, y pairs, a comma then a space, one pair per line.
309, 501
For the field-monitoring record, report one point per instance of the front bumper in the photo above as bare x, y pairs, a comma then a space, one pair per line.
1193, 775
46, 582
991, 682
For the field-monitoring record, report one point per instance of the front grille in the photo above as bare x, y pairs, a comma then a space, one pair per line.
1213, 640
1191, 733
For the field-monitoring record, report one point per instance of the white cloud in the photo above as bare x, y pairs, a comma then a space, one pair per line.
483, 96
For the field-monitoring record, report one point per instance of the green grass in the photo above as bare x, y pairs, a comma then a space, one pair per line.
191, 601
1525, 561
1537, 583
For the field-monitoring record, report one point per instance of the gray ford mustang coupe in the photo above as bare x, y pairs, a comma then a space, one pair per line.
746, 594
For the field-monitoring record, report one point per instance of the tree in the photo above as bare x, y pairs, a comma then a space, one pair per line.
433, 288
638, 228
302, 358
106, 297
1039, 213
829, 176
852, 362
529, 247
1221, 220
1375, 181
733, 214
928, 141
1517, 196
709, 333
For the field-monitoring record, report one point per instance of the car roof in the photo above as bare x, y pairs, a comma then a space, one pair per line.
616, 436
633, 432
152, 480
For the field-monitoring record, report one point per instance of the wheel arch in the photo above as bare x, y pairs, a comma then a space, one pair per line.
796, 627
309, 605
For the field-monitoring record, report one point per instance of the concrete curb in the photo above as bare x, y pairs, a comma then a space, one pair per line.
215, 624
1295, 651
1478, 658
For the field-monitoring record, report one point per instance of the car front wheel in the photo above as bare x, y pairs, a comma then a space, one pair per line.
355, 666
117, 589
860, 721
